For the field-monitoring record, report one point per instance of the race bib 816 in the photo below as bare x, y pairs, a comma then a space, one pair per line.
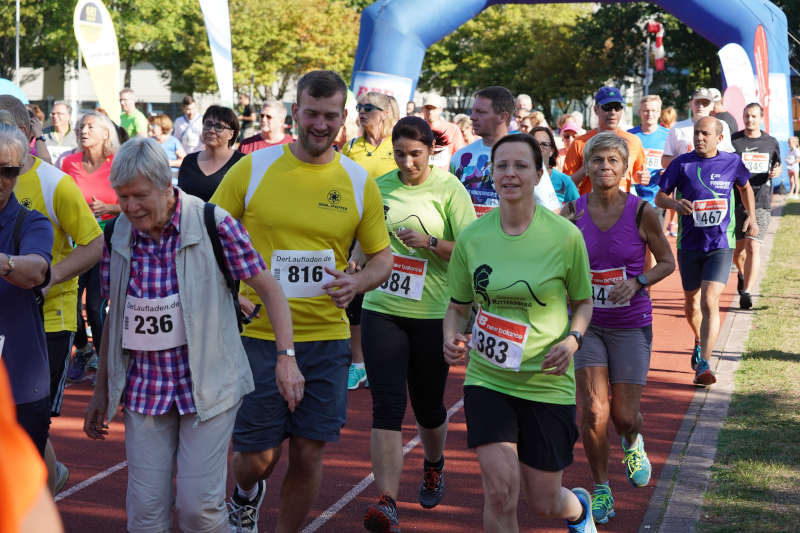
301, 273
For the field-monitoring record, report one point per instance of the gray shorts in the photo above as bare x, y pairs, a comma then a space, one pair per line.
626, 352
763, 216
264, 419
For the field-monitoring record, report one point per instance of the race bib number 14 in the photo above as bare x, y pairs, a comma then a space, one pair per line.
602, 283
301, 273
499, 340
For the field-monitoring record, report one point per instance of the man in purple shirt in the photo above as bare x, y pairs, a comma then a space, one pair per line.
704, 179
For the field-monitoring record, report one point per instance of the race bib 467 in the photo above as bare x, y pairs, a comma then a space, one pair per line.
709, 213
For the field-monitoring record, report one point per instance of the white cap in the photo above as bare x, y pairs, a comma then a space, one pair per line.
434, 100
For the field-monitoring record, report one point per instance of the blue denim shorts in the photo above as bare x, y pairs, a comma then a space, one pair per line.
264, 420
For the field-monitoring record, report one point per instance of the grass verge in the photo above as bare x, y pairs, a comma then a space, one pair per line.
755, 480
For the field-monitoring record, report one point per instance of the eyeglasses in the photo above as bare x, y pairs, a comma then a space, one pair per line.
218, 127
367, 108
264, 115
10, 172
546, 144
611, 106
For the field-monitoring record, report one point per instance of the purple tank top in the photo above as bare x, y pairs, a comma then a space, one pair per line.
615, 254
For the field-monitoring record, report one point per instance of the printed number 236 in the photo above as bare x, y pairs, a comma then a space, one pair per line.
154, 324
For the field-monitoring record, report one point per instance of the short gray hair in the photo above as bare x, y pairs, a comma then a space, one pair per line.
140, 156
11, 137
111, 145
606, 141
17, 109
64, 103
275, 105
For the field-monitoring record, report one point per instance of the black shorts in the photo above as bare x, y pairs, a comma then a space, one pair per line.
59, 346
353, 310
697, 266
34, 417
545, 433
401, 351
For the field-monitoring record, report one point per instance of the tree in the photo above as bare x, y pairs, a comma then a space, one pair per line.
527, 49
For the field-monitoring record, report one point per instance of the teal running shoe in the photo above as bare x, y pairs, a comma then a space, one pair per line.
602, 504
355, 377
697, 356
587, 525
703, 375
637, 465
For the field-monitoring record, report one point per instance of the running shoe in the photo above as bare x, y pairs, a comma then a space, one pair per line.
77, 368
587, 524
92, 363
697, 355
432, 488
703, 374
62, 475
745, 301
637, 465
243, 513
355, 377
602, 504
382, 516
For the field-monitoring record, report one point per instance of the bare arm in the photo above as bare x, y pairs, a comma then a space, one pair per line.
29, 271
415, 239
455, 340
683, 207
557, 359
749, 226
94, 421
666, 160
345, 286
79, 260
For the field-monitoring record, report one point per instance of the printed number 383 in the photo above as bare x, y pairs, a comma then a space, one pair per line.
491, 348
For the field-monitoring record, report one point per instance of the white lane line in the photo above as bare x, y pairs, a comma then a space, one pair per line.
350, 495
91, 481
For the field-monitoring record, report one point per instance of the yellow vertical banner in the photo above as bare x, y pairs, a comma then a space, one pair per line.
97, 39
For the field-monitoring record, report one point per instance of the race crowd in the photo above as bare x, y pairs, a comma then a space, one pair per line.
374, 257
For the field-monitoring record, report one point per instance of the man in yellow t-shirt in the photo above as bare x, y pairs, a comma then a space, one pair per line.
46, 189
303, 205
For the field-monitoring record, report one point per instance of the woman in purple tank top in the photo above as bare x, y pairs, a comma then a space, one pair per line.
617, 228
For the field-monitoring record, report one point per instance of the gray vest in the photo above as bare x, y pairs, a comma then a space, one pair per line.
218, 363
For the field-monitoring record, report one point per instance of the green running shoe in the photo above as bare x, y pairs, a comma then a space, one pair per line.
355, 377
637, 465
602, 504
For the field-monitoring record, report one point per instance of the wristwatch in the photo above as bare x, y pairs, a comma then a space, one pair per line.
10, 265
41, 138
432, 242
578, 337
642, 279
289, 352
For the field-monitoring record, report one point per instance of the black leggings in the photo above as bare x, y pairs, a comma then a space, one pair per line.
399, 350
90, 282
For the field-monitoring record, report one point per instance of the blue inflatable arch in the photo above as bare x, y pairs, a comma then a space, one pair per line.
396, 33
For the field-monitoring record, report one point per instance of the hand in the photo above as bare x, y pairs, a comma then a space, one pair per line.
683, 207
623, 291
247, 306
644, 177
94, 421
101, 208
456, 349
36, 127
342, 289
556, 361
290, 381
413, 239
750, 226
353, 266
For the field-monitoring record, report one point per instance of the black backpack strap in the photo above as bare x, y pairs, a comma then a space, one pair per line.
639, 210
22, 214
216, 244
108, 231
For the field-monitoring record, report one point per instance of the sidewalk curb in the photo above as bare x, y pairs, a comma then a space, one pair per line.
678, 498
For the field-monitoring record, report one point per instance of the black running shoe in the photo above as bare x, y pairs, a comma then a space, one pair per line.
745, 301
431, 490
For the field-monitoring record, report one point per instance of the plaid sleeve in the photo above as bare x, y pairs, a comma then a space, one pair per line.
105, 269
242, 260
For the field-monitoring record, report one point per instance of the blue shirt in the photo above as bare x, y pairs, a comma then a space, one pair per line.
170, 147
25, 348
564, 186
653, 144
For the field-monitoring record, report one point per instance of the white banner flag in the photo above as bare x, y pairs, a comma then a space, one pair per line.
94, 31
218, 27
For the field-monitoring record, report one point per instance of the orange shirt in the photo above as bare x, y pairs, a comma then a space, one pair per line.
636, 159
22, 471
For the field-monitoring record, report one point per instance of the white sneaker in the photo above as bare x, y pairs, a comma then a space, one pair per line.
243, 514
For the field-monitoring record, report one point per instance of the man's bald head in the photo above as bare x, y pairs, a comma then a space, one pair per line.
710, 122
707, 135
17, 109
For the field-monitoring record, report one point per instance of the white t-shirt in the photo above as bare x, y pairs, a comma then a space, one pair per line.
680, 138
189, 133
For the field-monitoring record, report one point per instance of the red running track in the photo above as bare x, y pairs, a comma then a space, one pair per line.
100, 505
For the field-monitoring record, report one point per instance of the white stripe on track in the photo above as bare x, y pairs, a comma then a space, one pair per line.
350, 495
91, 481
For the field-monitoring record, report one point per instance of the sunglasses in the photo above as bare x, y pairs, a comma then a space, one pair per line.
611, 106
10, 172
264, 115
367, 108
218, 127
